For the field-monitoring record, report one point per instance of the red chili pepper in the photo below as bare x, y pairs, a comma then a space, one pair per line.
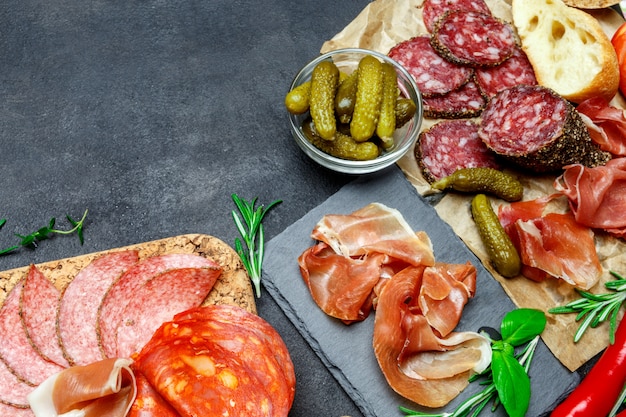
600, 389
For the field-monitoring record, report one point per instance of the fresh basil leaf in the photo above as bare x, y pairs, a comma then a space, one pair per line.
522, 325
512, 383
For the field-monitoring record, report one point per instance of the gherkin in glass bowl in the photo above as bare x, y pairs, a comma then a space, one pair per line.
389, 151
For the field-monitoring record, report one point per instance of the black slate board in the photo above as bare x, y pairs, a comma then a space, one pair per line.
347, 350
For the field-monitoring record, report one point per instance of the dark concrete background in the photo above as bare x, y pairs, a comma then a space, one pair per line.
151, 114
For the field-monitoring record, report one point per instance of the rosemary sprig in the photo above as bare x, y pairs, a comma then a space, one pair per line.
593, 309
252, 235
32, 240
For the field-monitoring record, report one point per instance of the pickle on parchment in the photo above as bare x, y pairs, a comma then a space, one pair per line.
483, 180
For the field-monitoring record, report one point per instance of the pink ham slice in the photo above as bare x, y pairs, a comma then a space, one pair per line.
78, 310
16, 350
104, 388
39, 302
157, 301
112, 308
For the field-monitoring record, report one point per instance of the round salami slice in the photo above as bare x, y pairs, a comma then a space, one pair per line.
157, 301
516, 70
199, 377
433, 75
39, 302
474, 39
537, 129
433, 10
78, 310
466, 102
122, 290
450, 145
16, 350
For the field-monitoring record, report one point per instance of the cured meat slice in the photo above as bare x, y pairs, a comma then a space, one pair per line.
537, 129
374, 228
433, 75
13, 391
38, 306
606, 124
16, 350
11, 411
114, 302
597, 196
419, 363
104, 388
433, 10
450, 145
157, 301
514, 71
78, 310
473, 39
465, 102
148, 402
198, 376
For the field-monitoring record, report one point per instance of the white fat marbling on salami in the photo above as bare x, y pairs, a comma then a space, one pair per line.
514, 71
465, 102
39, 302
474, 39
450, 145
123, 289
432, 73
78, 310
433, 10
157, 301
523, 119
15, 349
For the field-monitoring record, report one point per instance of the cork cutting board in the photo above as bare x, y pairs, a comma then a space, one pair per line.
232, 287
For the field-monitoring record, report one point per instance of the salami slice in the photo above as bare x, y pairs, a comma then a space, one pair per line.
13, 391
433, 75
39, 302
78, 310
11, 411
466, 102
148, 402
157, 301
199, 377
516, 70
450, 145
433, 10
16, 350
114, 302
473, 39
535, 128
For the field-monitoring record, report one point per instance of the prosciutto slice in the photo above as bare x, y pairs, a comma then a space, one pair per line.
553, 244
606, 124
421, 357
104, 388
597, 196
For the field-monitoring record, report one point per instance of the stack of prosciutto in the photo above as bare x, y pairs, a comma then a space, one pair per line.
372, 258
102, 342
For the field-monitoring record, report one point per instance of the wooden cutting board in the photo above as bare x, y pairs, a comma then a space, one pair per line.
232, 287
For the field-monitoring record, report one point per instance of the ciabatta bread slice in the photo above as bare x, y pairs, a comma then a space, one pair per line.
568, 49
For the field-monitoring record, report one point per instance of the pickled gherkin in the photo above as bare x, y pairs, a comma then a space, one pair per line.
345, 98
342, 146
387, 119
368, 98
405, 110
324, 82
297, 100
483, 180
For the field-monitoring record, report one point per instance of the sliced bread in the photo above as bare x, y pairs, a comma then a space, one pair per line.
568, 49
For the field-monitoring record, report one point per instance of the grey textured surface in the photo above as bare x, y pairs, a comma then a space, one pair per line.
347, 350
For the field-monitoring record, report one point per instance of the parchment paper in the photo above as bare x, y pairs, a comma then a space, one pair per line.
380, 26
347, 350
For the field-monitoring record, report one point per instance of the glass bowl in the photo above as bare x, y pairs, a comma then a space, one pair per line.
405, 137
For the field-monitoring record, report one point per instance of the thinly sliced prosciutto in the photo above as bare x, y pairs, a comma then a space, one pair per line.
597, 196
551, 245
104, 388
606, 124
419, 362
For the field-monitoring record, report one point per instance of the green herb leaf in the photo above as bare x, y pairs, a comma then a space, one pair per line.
252, 248
511, 381
522, 325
